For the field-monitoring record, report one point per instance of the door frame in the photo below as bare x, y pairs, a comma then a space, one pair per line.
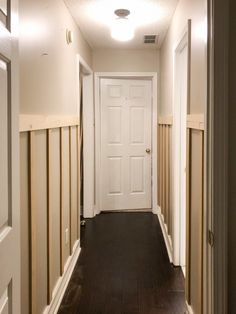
10, 224
183, 41
88, 133
152, 76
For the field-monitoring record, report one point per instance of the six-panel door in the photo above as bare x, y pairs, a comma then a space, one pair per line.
126, 120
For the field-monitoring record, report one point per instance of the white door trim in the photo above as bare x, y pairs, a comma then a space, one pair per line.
182, 42
88, 134
132, 75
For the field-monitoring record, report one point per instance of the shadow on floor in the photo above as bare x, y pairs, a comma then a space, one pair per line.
124, 268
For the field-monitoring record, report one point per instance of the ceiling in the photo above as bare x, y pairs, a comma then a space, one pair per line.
95, 17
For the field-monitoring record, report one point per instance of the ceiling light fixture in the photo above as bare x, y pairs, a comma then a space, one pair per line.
122, 29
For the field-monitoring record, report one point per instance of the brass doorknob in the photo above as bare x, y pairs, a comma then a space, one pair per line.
148, 150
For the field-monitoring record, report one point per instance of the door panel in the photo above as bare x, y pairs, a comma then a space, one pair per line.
114, 125
137, 174
115, 175
125, 136
5, 185
9, 159
137, 125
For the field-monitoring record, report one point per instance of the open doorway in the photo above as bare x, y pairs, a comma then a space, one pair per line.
86, 113
181, 59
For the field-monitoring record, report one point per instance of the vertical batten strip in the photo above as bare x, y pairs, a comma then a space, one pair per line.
49, 222
70, 189
202, 202
188, 217
164, 173
158, 165
170, 181
33, 226
167, 178
61, 200
78, 171
161, 170
78, 182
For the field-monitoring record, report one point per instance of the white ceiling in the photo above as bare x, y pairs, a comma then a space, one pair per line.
94, 18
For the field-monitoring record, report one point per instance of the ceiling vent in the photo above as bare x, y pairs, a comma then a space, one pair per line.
150, 39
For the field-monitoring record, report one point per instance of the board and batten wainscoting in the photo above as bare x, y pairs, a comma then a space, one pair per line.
164, 179
194, 201
195, 206
50, 208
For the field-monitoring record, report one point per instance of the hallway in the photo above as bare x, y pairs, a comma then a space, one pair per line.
124, 268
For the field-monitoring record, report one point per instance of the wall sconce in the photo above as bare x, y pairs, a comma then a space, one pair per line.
69, 37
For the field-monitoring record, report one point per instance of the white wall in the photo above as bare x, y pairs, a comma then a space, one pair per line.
196, 10
119, 60
47, 62
128, 60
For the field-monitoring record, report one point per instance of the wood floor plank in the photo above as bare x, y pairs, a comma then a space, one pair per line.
123, 268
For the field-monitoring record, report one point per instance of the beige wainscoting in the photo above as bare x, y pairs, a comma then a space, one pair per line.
164, 170
49, 174
195, 180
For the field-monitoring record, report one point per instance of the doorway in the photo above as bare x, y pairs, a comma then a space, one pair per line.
126, 144
86, 113
180, 148
126, 122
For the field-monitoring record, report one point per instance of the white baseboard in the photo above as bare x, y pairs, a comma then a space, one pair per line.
156, 210
88, 214
167, 238
96, 211
63, 281
190, 310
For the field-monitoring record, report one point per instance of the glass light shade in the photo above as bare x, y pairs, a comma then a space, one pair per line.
122, 29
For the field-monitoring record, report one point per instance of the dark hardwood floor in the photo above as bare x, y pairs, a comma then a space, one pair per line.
123, 268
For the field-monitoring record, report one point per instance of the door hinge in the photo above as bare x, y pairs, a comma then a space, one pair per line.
211, 238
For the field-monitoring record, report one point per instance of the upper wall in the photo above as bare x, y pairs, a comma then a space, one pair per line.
196, 10
47, 62
119, 60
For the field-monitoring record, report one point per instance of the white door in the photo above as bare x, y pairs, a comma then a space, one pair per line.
9, 161
126, 122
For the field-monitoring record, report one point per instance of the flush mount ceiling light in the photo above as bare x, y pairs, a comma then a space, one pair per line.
122, 29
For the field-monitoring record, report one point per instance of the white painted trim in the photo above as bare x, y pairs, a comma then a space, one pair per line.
63, 281
142, 75
189, 309
88, 135
164, 230
85, 67
88, 146
176, 160
131, 75
166, 120
156, 210
196, 121
29, 122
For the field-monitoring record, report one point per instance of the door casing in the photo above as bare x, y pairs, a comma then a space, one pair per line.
179, 219
132, 75
88, 133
